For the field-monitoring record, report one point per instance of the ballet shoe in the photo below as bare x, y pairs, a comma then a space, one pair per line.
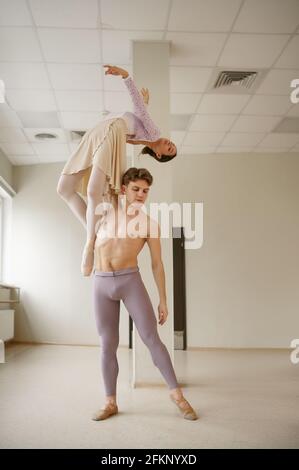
86, 269
185, 408
105, 412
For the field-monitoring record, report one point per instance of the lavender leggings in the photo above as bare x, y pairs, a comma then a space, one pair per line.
109, 287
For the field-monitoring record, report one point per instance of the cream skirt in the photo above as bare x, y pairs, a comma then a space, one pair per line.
105, 146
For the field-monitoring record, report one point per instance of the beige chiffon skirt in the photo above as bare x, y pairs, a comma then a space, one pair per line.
105, 146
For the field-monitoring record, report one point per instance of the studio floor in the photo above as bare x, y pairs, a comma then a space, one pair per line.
244, 398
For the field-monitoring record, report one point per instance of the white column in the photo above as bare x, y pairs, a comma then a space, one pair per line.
151, 70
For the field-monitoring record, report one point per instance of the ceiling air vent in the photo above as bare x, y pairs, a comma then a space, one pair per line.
76, 135
234, 78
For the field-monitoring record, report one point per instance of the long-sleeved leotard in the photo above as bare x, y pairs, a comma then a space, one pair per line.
139, 122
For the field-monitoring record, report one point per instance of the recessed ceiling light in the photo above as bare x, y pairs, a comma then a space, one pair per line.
45, 136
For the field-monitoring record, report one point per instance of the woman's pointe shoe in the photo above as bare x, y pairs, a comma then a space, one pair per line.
185, 408
105, 412
87, 259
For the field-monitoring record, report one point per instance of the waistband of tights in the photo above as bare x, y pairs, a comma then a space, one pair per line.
120, 272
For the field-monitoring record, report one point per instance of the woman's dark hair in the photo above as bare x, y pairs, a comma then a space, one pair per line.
162, 159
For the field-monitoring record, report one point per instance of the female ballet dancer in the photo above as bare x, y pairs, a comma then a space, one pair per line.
96, 167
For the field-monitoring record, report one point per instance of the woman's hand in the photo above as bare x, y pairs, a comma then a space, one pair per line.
145, 94
163, 312
113, 70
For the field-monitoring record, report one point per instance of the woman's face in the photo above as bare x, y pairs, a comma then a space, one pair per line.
166, 147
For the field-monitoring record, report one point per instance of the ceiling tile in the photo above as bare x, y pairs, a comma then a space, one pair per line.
66, 13
290, 56
241, 139
17, 149
70, 45
255, 123
51, 148
222, 104
189, 79
51, 158
195, 48
75, 76
279, 140
229, 149
24, 75
19, 44
194, 150
184, 103
252, 50
270, 150
9, 118
31, 100
201, 15
267, 16
117, 45
294, 110
268, 105
210, 123
117, 101
79, 100
277, 82
14, 13
39, 119
177, 137
23, 160
79, 121
203, 138
12, 134
134, 14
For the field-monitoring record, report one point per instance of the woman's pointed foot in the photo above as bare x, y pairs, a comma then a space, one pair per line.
184, 407
87, 259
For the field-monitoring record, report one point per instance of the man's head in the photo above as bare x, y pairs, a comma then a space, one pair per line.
136, 183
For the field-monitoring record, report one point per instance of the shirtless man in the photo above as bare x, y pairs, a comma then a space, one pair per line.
116, 277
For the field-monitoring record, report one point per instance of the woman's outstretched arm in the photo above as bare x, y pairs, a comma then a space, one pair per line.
139, 106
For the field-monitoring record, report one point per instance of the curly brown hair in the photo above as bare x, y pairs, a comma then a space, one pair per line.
134, 174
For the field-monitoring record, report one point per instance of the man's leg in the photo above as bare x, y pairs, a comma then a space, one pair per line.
106, 312
139, 306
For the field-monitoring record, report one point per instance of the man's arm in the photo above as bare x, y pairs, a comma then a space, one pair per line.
157, 264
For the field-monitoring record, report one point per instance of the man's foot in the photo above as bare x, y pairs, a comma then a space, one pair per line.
87, 259
105, 412
184, 406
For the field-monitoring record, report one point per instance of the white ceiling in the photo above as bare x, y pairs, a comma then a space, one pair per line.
52, 51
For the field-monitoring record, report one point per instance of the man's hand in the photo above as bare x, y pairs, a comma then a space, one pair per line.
163, 312
145, 94
113, 70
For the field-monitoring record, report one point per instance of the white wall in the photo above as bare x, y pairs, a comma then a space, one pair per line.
47, 244
242, 284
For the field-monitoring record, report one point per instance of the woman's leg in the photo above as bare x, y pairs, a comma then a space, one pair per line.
95, 189
66, 189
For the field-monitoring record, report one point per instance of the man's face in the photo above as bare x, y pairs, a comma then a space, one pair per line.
136, 192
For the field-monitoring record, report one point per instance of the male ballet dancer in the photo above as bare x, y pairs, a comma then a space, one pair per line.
116, 277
